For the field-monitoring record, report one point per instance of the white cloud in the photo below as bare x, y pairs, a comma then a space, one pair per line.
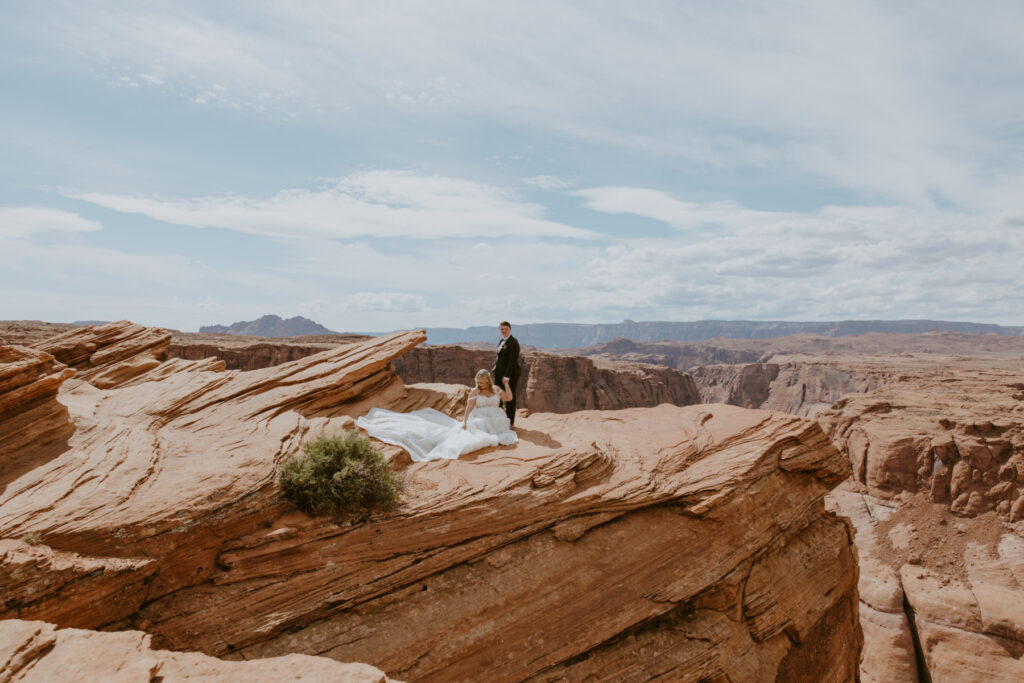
390, 302
905, 102
727, 261
663, 207
547, 182
21, 221
372, 203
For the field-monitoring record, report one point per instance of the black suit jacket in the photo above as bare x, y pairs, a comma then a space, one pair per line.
507, 362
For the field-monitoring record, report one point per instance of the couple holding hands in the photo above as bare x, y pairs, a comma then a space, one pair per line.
428, 434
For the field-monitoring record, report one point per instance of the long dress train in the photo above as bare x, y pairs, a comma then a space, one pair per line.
428, 434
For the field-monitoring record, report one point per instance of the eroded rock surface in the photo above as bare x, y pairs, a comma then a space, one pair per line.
111, 354
940, 596
684, 355
953, 429
695, 535
34, 426
253, 353
35, 651
553, 383
799, 386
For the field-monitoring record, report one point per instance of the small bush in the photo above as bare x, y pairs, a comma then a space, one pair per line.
340, 476
32, 538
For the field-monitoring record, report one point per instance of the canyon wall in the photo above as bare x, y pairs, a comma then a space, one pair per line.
556, 383
694, 535
936, 498
954, 430
803, 386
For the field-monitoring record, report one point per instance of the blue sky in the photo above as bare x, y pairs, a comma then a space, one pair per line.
388, 165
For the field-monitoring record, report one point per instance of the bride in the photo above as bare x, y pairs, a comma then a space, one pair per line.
428, 434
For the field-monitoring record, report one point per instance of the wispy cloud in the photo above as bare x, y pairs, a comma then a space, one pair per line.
390, 302
547, 182
916, 115
574, 161
368, 204
21, 221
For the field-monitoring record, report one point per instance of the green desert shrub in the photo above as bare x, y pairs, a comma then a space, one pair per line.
32, 538
340, 476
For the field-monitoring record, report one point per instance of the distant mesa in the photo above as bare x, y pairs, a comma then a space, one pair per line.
578, 335
270, 326
86, 323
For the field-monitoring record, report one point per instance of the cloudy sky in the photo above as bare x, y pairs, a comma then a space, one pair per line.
383, 165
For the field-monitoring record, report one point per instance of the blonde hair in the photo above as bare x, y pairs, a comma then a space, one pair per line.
487, 374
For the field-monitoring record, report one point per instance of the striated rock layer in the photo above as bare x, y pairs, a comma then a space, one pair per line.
937, 452
940, 597
111, 354
34, 426
34, 651
954, 430
253, 356
696, 536
797, 385
553, 383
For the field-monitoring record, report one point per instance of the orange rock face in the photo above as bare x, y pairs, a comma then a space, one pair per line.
954, 430
111, 354
34, 651
696, 536
799, 386
34, 426
940, 597
553, 383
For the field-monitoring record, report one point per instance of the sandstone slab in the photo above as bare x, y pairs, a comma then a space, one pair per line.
694, 534
35, 651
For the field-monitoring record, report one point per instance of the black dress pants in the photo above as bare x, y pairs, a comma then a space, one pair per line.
510, 406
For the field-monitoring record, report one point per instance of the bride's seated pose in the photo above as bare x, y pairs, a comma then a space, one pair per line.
482, 409
428, 434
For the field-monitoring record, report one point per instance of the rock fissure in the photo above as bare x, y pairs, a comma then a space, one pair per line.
921, 661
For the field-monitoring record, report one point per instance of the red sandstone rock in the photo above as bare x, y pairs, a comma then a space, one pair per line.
34, 426
28, 332
803, 386
688, 355
553, 383
955, 430
33, 651
696, 536
111, 354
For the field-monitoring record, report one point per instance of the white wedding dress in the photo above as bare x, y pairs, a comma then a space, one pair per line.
428, 434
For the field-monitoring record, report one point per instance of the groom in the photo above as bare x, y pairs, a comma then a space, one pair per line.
506, 366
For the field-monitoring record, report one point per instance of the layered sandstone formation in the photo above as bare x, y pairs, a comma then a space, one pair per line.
34, 426
797, 385
111, 354
28, 332
940, 597
553, 383
245, 356
34, 651
954, 429
937, 453
696, 536
684, 355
